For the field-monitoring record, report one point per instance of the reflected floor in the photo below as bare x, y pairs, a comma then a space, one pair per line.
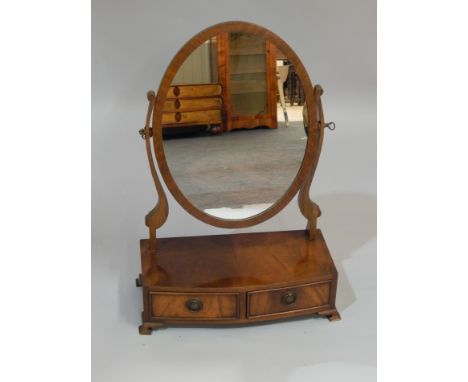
241, 170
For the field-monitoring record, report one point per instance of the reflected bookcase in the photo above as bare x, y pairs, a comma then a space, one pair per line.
247, 73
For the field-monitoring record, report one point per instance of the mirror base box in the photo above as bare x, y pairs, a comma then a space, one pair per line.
236, 279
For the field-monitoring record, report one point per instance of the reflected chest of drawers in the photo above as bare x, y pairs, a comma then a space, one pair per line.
192, 105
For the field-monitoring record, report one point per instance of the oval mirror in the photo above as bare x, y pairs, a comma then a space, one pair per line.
231, 137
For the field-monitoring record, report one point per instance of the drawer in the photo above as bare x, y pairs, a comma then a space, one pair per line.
293, 299
192, 104
206, 306
192, 117
193, 91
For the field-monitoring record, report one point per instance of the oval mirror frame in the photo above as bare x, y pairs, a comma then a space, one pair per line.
312, 151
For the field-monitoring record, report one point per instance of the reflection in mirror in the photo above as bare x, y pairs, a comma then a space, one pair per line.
233, 127
200, 66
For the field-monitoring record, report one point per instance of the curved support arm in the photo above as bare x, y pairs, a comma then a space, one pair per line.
158, 215
309, 209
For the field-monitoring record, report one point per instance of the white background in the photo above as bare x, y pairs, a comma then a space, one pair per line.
45, 159
133, 42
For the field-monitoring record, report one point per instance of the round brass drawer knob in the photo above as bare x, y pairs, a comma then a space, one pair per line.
288, 298
194, 305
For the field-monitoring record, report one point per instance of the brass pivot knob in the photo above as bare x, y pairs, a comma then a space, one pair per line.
194, 305
288, 298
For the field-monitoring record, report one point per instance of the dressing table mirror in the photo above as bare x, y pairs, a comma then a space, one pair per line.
235, 131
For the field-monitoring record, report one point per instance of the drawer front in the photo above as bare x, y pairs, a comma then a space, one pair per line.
192, 117
192, 104
193, 91
294, 299
213, 306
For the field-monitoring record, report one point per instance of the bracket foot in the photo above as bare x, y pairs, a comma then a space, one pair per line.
331, 314
146, 328
138, 281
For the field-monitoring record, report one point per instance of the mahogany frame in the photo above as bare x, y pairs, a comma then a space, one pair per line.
309, 163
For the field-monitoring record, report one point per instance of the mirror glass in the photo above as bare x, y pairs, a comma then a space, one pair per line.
233, 127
